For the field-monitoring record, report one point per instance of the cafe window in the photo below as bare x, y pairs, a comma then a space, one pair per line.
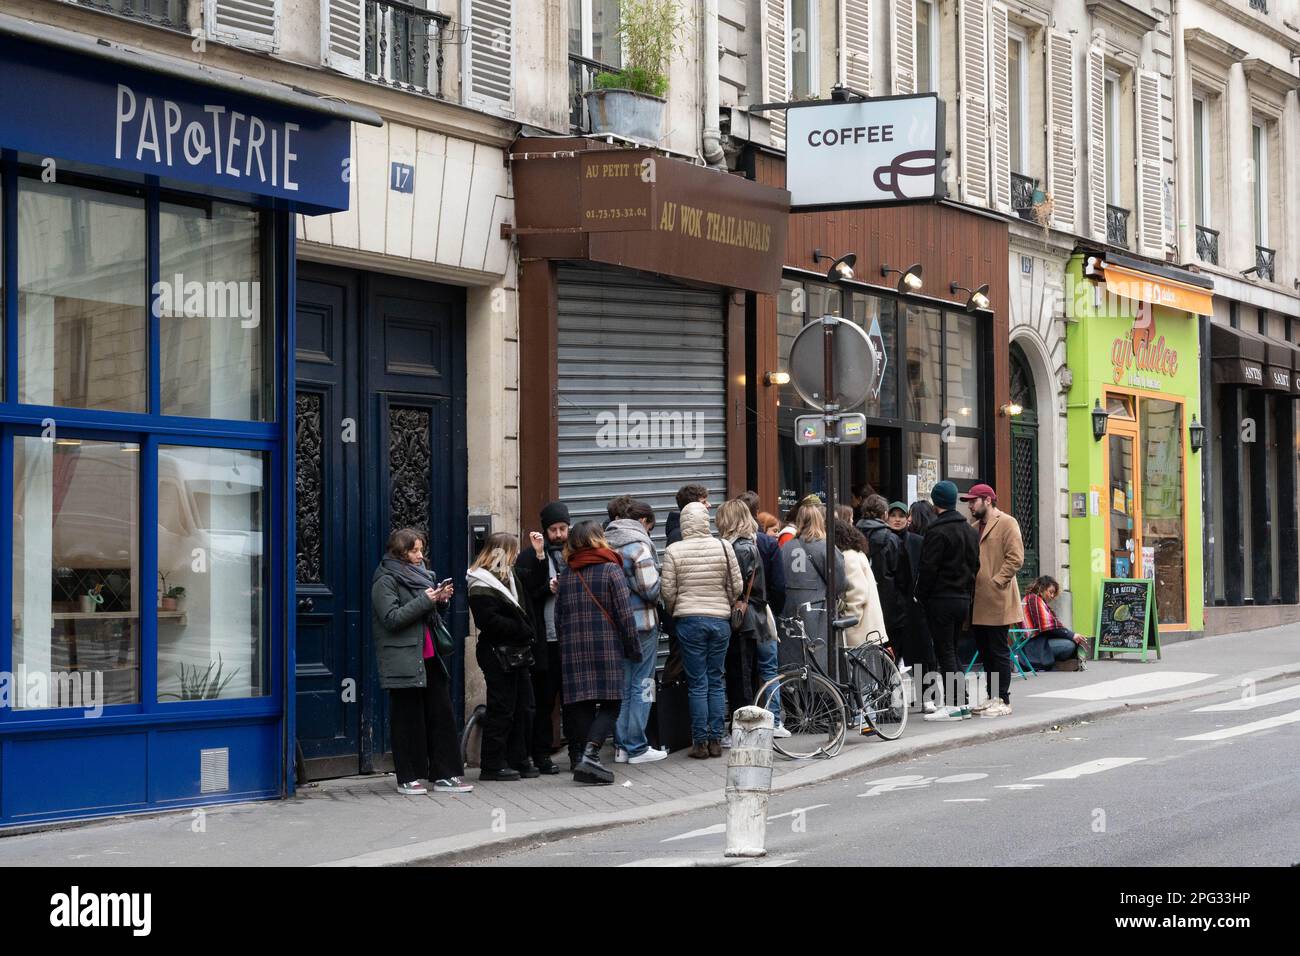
211, 571
152, 315
1163, 542
82, 293
925, 364
214, 313
76, 572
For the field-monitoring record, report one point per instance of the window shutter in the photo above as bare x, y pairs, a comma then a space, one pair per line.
490, 60
1096, 119
1000, 80
855, 45
902, 46
973, 129
343, 36
247, 23
776, 63
1150, 163
1060, 129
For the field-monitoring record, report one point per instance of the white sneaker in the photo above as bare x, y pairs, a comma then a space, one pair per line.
649, 755
981, 707
944, 713
412, 789
452, 785
780, 731
726, 740
929, 707
996, 709
620, 755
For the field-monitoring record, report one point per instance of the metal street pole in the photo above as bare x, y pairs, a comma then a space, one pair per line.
830, 439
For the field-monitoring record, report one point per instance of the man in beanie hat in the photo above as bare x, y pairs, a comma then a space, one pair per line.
997, 595
945, 586
539, 567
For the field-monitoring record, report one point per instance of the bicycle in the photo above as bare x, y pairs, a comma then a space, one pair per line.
818, 711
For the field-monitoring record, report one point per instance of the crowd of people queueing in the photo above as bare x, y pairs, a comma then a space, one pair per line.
576, 617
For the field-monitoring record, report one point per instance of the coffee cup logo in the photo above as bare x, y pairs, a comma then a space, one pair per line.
913, 165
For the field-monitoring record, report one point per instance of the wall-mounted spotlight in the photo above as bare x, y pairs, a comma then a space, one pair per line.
1010, 410
909, 278
776, 378
978, 298
841, 268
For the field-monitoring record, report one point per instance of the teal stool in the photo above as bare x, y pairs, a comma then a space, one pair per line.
1020, 636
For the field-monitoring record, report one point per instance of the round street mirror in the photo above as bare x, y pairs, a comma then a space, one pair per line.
853, 357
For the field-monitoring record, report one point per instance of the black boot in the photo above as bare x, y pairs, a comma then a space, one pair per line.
590, 769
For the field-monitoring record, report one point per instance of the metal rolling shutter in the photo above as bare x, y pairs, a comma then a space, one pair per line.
658, 349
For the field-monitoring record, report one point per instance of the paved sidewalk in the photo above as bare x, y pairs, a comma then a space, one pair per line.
364, 821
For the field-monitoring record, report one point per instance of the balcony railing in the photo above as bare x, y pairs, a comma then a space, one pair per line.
1265, 261
1022, 195
163, 13
582, 77
404, 46
1207, 245
1117, 226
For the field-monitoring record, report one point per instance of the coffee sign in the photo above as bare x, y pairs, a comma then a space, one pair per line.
886, 149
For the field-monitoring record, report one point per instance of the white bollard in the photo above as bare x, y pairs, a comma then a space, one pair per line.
749, 780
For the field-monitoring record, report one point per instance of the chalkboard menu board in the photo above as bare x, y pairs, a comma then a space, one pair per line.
1126, 618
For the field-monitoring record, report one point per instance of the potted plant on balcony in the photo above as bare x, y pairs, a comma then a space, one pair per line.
630, 102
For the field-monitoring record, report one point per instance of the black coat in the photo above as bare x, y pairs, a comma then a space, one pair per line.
750, 561
672, 528
889, 565
535, 576
950, 559
499, 620
920, 645
401, 614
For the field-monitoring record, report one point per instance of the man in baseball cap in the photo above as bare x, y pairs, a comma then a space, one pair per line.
997, 595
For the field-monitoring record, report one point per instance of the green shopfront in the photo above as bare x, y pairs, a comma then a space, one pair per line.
1134, 479
147, 216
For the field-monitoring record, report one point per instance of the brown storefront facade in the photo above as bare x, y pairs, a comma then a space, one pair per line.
939, 412
671, 297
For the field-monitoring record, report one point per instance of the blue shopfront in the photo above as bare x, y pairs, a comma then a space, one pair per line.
146, 466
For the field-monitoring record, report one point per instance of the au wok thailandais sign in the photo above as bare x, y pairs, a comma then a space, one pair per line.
882, 150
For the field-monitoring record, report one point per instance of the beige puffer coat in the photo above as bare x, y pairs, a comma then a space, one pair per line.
700, 575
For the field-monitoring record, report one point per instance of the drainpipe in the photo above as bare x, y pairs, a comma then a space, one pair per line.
712, 134
1186, 213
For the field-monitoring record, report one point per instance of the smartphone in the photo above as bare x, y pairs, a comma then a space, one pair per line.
443, 583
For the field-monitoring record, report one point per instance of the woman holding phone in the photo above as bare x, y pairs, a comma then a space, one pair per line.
412, 646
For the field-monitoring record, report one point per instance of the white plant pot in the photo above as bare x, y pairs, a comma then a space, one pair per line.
87, 603
637, 116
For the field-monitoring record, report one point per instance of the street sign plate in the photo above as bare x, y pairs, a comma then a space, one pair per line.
809, 430
853, 429
855, 362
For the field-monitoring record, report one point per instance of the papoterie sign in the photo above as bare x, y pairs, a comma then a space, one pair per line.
887, 149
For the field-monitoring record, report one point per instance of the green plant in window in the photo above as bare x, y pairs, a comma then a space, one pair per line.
652, 33
201, 685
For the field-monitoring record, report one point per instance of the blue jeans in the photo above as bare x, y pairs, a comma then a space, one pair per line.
638, 695
767, 668
703, 642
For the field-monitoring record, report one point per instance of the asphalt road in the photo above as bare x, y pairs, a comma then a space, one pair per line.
1125, 791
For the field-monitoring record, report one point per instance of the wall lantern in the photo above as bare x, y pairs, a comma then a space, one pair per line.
776, 378
1099, 418
979, 298
1196, 434
1010, 410
909, 278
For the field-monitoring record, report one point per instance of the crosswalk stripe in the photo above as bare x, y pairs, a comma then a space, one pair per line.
1253, 701
1086, 769
703, 831
1267, 724
1131, 686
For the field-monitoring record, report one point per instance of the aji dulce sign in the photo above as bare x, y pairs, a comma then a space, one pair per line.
883, 150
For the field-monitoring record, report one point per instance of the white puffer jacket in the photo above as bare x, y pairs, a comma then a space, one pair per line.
701, 576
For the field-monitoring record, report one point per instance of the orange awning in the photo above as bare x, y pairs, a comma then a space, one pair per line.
1144, 287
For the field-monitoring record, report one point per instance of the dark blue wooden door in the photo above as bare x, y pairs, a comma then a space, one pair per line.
328, 507
381, 445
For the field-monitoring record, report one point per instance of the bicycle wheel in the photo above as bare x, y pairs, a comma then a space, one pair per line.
472, 735
811, 708
884, 700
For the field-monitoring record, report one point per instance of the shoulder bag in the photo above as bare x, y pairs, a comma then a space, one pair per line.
740, 607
